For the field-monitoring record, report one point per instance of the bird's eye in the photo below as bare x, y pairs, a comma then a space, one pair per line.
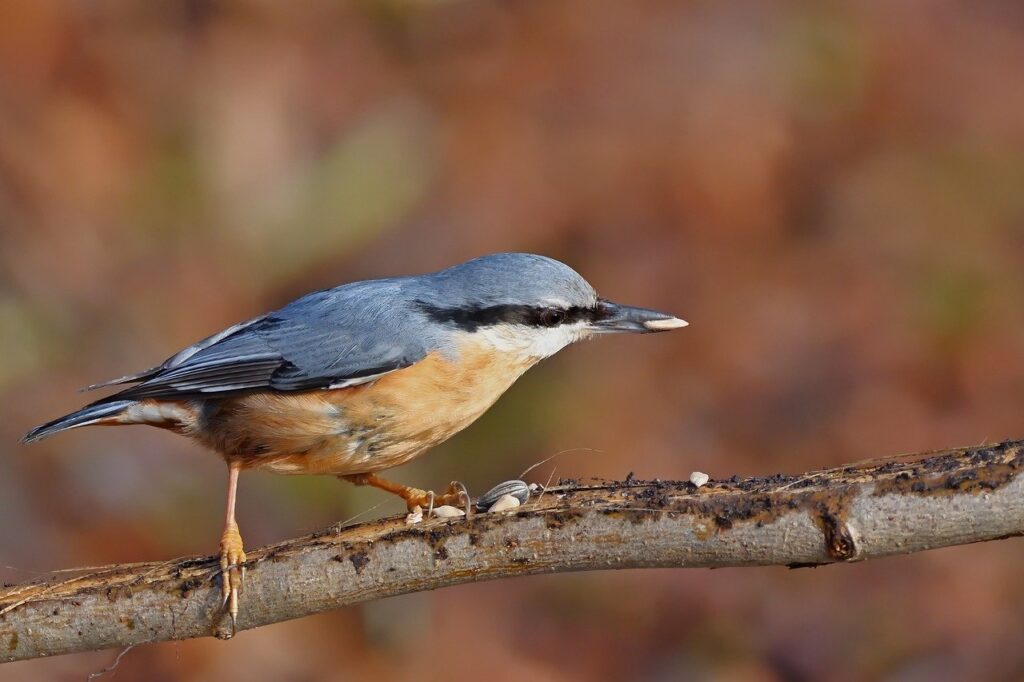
552, 317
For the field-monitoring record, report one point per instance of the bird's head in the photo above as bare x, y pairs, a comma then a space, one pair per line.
530, 305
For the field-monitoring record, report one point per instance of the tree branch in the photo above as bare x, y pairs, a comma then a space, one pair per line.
858, 512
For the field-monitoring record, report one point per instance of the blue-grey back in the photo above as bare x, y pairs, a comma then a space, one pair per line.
342, 335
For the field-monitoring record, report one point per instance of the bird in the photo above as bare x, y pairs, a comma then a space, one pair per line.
359, 378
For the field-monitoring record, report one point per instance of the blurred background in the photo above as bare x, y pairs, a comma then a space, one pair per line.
832, 193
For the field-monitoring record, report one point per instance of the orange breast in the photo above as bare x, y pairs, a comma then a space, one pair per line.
362, 428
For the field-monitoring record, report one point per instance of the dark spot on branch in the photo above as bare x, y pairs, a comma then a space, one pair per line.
359, 561
560, 519
804, 564
633, 515
118, 591
188, 586
838, 540
437, 537
186, 564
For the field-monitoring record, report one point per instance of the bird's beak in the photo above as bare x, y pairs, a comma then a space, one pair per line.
612, 317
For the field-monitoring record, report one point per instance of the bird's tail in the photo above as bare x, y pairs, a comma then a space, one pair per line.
108, 412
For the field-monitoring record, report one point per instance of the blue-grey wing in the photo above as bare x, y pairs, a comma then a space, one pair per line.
329, 339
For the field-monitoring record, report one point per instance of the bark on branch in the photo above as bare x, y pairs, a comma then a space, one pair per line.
852, 513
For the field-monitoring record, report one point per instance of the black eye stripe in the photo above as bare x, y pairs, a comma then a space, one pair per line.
473, 317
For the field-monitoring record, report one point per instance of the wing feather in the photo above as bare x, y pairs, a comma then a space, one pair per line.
324, 340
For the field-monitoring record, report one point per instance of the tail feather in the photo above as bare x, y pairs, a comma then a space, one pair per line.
126, 379
90, 414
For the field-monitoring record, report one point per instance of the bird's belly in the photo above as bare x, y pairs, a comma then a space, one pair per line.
362, 428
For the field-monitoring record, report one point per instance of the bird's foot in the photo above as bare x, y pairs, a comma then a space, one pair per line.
232, 570
455, 495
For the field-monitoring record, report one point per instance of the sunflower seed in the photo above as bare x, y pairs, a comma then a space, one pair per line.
517, 489
446, 511
504, 503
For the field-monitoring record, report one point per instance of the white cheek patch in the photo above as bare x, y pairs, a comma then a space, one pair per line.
531, 342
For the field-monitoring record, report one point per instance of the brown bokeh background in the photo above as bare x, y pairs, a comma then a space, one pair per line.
831, 192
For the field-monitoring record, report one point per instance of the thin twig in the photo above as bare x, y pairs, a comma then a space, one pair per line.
113, 666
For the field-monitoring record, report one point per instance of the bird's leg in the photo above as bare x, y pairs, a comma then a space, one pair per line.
414, 497
232, 557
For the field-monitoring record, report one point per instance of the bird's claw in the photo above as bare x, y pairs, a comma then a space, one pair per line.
458, 488
232, 570
455, 495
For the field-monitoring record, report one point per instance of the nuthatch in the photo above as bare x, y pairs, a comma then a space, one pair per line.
363, 377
